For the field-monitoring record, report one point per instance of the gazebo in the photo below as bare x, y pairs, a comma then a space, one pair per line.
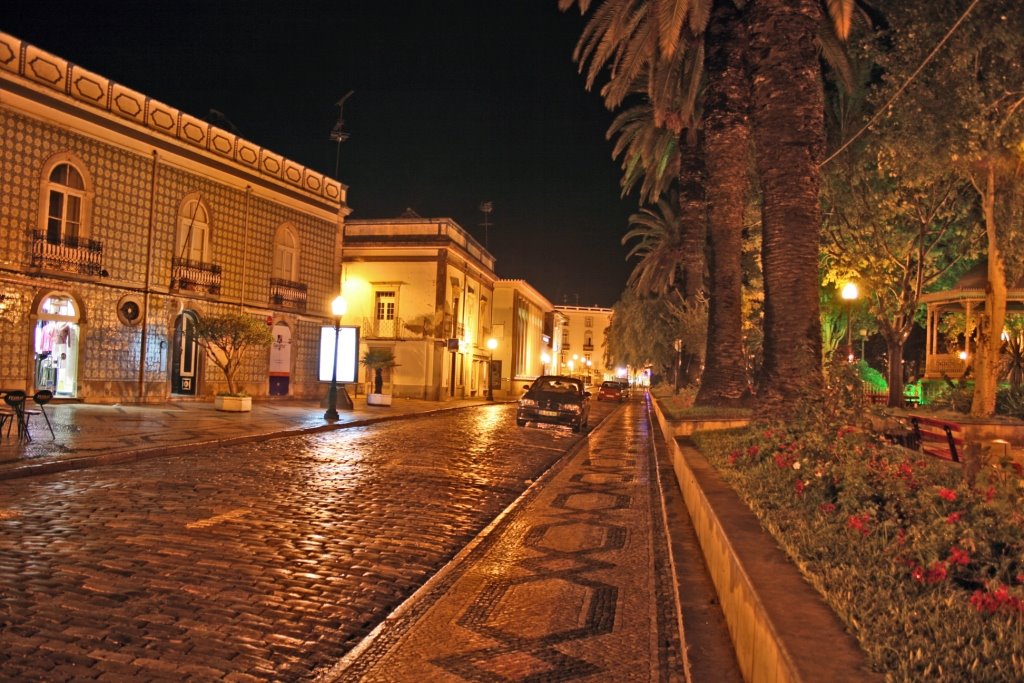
965, 298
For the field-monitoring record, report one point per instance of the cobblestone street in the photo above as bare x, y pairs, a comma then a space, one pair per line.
265, 561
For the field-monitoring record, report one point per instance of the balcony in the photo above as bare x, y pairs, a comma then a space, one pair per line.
288, 294
588, 347
382, 329
69, 254
194, 276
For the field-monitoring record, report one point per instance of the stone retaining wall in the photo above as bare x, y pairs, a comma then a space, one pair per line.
781, 628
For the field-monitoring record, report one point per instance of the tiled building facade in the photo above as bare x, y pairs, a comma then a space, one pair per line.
122, 220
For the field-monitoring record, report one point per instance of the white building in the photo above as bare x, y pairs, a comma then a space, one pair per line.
423, 288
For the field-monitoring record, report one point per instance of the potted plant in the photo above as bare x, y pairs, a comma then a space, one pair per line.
377, 360
227, 340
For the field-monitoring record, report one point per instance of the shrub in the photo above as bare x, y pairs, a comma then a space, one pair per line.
927, 572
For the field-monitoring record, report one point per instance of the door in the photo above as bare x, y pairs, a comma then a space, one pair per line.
185, 358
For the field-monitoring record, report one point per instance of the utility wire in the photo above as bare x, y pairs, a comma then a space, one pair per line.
910, 79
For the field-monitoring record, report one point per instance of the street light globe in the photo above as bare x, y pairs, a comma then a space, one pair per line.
492, 343
850, 291
339, 306
545, 358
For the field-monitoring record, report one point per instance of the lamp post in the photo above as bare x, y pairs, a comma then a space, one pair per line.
492, 344
544, 360
849, 294
338, 308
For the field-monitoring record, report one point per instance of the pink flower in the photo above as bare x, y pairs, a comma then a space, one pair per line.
800, 485
752, 451
733, 457
936, 573
947, 494
827, 508
953, 518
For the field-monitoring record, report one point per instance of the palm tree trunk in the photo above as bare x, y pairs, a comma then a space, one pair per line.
693, 215
788, 124
727, 131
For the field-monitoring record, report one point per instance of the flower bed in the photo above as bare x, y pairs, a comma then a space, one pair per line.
927, 572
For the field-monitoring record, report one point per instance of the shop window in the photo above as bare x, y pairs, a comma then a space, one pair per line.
56, 345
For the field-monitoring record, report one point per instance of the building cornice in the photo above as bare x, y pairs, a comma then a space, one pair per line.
39, 71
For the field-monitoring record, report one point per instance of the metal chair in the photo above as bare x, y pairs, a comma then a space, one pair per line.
41, 398
16, 400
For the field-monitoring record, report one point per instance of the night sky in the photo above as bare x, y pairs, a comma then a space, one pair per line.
455, 102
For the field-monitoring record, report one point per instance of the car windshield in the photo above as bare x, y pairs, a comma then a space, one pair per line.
556, 385
610, 385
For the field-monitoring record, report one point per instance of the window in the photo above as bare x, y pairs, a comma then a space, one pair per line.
588, 322
286, 254
65, 202
384, 307
588, 341
193, 232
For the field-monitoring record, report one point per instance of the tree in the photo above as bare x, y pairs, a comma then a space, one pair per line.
968, 104
378, 360
228, 339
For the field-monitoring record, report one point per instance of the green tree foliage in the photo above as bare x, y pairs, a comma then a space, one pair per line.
967, 105
642, 333
228, 339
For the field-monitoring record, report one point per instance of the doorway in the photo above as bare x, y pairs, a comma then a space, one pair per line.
185, 357
56, 346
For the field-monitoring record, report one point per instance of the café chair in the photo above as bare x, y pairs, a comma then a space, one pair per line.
41, 398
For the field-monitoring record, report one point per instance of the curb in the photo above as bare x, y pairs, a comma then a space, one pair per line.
85, 462
781, 627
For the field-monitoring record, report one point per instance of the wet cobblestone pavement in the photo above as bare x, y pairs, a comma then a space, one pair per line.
264, 561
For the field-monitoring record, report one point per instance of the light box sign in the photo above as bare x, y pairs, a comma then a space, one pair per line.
347, 353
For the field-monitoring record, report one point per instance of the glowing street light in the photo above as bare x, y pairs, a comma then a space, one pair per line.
492, 344
849, 294
338, 309
544, 360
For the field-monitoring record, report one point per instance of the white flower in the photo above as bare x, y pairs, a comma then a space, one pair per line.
796, 465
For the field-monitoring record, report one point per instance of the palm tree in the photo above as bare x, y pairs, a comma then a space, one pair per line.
727, 148
788, 123
659, 248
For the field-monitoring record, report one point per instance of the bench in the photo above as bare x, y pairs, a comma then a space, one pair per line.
938, 438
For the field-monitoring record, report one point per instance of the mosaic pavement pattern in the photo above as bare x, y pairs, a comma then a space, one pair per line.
573, 584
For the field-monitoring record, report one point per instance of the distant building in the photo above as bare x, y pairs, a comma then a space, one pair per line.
582, 353
424, 288
527, 330
123, 220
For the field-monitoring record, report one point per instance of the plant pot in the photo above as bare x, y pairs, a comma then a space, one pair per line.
233, 404
378, 399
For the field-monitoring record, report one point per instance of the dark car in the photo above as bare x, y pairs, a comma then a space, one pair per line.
613, 391
556, 400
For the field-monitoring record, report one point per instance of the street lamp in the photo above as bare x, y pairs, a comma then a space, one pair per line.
338, 308
544, 360
849, 294
492, 344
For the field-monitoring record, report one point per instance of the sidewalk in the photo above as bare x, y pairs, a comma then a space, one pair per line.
92, 434
574, 581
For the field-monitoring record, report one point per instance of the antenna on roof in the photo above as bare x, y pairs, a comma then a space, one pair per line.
486, 208
338, 133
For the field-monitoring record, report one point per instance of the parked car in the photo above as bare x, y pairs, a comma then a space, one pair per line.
613, 391
555, 399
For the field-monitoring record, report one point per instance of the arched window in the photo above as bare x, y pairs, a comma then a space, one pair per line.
65, 202
193, 232
286, 254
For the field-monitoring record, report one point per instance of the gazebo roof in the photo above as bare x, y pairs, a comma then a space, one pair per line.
971, 288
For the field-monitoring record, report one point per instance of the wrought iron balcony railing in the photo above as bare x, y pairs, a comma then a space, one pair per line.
288, 294
68, 254
383, 329
190, 276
